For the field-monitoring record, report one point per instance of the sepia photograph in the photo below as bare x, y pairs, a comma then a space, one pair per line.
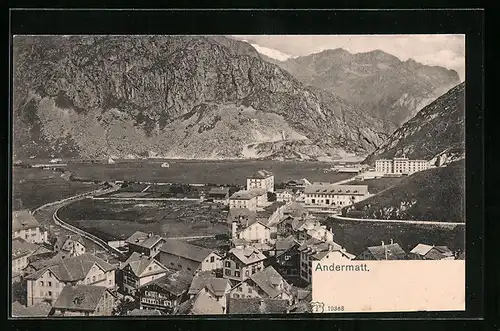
237, 174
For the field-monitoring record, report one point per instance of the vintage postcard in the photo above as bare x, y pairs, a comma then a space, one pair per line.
237, 174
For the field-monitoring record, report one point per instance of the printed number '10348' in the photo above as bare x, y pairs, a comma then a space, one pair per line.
334, 308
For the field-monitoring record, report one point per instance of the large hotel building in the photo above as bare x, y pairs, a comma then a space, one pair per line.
400, 165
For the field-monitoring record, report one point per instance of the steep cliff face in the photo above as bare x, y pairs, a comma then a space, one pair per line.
436, 132
375, 81
177, 96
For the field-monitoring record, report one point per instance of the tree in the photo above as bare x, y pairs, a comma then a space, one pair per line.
124, 306
271, 197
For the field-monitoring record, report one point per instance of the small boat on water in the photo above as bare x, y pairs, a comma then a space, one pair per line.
165, 165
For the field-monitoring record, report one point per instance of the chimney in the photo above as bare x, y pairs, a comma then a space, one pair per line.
150, 234
383, 244
392, 241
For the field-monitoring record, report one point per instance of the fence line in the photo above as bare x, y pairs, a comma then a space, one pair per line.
87, 235
146, 199
343, 218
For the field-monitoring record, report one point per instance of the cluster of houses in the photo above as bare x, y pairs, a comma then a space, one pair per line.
267, 267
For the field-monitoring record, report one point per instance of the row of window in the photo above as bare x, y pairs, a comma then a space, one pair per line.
180, 266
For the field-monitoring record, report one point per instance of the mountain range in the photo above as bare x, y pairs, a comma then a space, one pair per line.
375, 81
205, 97
175, 96
436, 132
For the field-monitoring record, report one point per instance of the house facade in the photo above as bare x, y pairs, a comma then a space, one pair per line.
241, 263
25, 226
215, 288
165, 293
47, 283
400, 165
327, 195
180, 255
73, 244
261, 179
268, 284
139, 270
257, 231
84, 300
243, 199
21, 252
219, 195
287, 258
284, 195
314, 250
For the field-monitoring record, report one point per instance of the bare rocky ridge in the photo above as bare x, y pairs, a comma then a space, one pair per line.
436, 132
176, 96
375, 81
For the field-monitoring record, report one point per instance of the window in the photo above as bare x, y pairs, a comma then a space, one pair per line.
189, 268
110, 282
41, 283
313, 200
228, 272
247, 273
212, 259
227, 264
250, 290
236, 296
237, 274
180, 266
93, 278
240, 289
149, 268
50, 293
97, 309
50, 284
171, 263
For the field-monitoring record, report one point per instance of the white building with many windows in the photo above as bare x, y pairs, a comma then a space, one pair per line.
400, 165
261, 179
25, 226
325, 195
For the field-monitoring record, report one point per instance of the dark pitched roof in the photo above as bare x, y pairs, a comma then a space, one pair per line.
283, 245
61, 240
387, 252
243, 195
73, 268
39, 310
22, 220
261, 174
268, 280
143, 239
80, 297
201, 304
42, 263
138, 263
176, 282
185, 250
20, 247
295, 209
256, 306
438, 253
248, 255
327, 188
215, 285
241, 214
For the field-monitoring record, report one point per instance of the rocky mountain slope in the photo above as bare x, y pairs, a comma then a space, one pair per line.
436, 132
375, 81
436, 194
173, 96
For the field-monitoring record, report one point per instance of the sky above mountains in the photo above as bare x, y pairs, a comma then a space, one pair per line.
438, 49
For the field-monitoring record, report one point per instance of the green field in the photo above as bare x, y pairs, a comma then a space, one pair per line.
377, 184
112, 219
207, 172
432, 195
355, 236
32, 187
